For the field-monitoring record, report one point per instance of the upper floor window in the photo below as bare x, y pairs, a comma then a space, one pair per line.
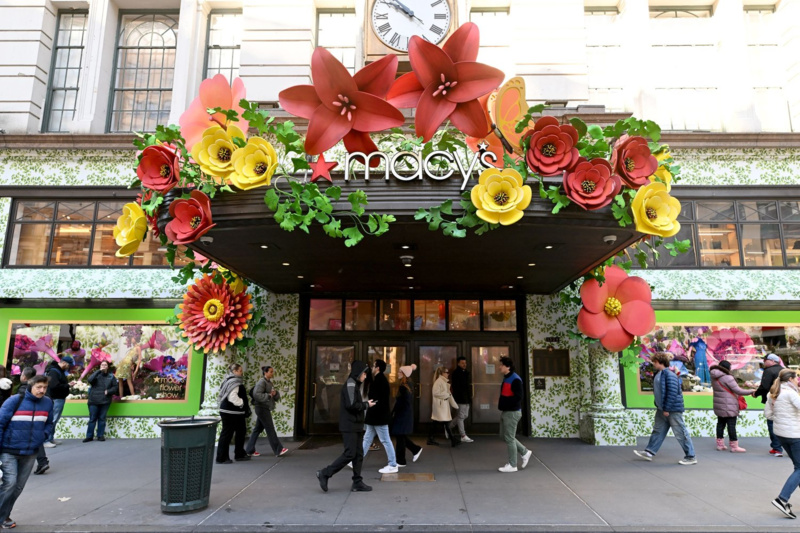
65, 70
337, 31
50, 233
669, 12
143, 71
224, 44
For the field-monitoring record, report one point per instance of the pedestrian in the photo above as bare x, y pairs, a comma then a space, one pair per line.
376, 421
510, 405
727, 403
234, 411
461, 385
772, 367
352, 410
264, 397
668, 398
783, 407
58, 390
5, 385
26, 422
101, 392
441, 402
403, 417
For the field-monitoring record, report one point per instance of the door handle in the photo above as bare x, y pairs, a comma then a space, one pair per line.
315, 391
473, 389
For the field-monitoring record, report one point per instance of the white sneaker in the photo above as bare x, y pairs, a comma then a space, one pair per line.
416, 456
57, 442
688, 461
49, 445
526, 458
388, 469
466, 439
507, 468
350, 465
647, 456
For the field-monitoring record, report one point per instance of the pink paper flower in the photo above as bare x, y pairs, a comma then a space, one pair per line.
727, 342
214, 92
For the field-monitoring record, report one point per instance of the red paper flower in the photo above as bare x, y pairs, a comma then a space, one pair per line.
552, 147
212, 316
633, 161
592, 184
340, 106
159, 168
446, 84
214, 92
616, 311
191, 218
152, 220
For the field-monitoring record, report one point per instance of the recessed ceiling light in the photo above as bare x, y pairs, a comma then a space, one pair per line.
412, 288
285, 264
531, 264
548, 247
510, 286
410, 277
264, 246
299, 277
519, 277
405, 247
407, 265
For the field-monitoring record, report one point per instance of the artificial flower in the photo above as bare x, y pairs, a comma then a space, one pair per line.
152, 220
214, 92
214, 152
159, 167
212, 316
500, 196
592, 184
130, 229
445, 83
730, 342
98, 356
552, 147
340, 106
616, 311
655, 212
662, 174
254, 164
632, 160
191, 218
235, 282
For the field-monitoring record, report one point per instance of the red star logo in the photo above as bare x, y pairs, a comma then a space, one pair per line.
322, 169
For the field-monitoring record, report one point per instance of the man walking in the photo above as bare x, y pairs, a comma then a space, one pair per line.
351, 423
461, 386
58, 390
377, 418
510, 404
772, 367
668, 398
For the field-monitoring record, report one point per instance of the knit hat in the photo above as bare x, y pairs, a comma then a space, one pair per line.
407, 370
725, 364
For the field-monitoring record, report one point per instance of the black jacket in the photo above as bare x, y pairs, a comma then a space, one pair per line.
57, 384
378, 414
353, 407
767, 379
403, 413
103, 387
460, 384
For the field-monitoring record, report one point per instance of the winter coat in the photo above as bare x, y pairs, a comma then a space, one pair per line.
235, 402
103, 387
784, 412
353, 407
379, 414
767, 379
671, 393
460, 383
403, 412
57, 386
262, 397
510, 393
725, 403
442, 401
26, 422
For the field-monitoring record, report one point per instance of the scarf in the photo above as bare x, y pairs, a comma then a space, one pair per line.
229, 384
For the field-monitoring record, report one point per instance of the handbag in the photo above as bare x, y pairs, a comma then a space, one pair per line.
742, 401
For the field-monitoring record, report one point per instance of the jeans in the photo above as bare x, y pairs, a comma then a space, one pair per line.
463, 413
792, 447
58, 408
97, 415
264, 423
773, 438
383, 436
661, 428
353, 453
16, 470
233, 427
729, 421
509, 420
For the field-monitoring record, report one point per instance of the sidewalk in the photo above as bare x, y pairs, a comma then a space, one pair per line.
114, 486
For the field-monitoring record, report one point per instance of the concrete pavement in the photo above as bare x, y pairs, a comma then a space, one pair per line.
114, 486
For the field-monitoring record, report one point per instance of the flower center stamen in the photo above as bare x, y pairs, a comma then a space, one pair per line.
588, 186
501, 198
549, 150
213, 310
613, 307
165, 171
444, 86
224, 154
630, 164
347, 107
260, 168
195, 221
651, 213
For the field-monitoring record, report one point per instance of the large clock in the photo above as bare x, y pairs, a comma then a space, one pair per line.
394, 22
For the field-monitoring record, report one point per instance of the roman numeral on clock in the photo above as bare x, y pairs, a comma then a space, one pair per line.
385, 28
395, 40
384, 16
436, 3
440, 16
437, 30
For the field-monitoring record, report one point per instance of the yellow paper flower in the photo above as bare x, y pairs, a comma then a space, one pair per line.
254, 164
655, 212
130, 229
500, 196
235, 282
214, 153
662, 174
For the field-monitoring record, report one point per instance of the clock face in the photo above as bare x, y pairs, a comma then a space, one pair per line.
396, 21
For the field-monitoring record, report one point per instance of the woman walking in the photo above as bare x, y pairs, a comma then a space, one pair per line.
727, 404
103, 386
233, 409
442, 401
403, 417
783, 407
264, 397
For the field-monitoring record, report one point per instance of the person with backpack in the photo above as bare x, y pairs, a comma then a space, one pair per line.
26, 423
264, 396
728, 401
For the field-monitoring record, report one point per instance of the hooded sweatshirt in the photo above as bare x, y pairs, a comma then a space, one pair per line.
353, 406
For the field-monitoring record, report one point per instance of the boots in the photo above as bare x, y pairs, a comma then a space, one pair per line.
736, 448
721, 445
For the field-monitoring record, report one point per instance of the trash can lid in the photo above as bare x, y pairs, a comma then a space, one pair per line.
195, 421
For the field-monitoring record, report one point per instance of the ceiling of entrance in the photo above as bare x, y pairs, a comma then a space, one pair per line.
538, 255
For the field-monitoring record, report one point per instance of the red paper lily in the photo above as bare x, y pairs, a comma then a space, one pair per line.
446, 83
340, 106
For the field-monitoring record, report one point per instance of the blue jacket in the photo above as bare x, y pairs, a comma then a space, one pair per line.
671, 393
25, 425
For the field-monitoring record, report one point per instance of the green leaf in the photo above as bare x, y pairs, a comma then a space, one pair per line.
271, 199
353, 236
595, 132
334, 192
300, 163
447, 207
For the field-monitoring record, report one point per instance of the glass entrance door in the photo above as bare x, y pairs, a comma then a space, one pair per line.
486, 379
395, 356
331, 367
431, 357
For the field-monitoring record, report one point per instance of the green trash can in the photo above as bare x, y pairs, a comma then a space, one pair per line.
187, 457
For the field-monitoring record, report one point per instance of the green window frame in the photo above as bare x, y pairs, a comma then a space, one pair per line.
65, 67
